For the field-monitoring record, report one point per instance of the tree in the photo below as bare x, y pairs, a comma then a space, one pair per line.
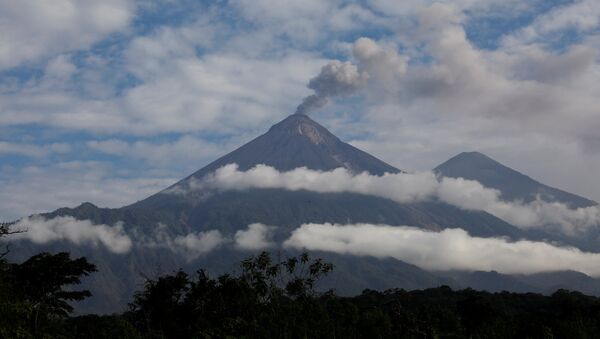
5, 231
266, 299
40, 283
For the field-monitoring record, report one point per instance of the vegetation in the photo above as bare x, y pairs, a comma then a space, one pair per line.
277, 299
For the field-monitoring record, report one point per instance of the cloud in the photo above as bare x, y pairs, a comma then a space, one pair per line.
450, 249
33, 30
195, 244
579, 16
31, 150
40, 230
38, 189
404, 188
256, 237
306, 22
160, 153
191, 245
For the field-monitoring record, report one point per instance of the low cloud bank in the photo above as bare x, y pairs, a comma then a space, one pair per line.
40, 230
193, 245
256, 237
450, 249
405, 188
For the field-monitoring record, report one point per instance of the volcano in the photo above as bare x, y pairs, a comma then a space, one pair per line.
297, 141
512, 184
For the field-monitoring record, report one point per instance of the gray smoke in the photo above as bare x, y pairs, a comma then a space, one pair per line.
335, 79
339, 78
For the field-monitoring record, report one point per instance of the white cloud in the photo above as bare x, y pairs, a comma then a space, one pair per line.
196, 244
32, 30
40, 230
165, 153
306, 21
191, 245
580, 15
404, 188
450, 249
178, 94
256, 237
36, 189
31, 150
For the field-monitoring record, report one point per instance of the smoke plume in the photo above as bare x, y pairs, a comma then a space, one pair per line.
339, 78
336, 79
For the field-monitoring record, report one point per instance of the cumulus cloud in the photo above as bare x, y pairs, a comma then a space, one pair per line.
31, 150
450, 249
165, 153
404, 188
40, 230
36, 29
256, 237
579, 16
38, 189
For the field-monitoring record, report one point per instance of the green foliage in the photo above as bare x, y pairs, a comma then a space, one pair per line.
34, 293
41, 279
277, 299
180, 306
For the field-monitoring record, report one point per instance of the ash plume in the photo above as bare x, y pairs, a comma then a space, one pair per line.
335, 79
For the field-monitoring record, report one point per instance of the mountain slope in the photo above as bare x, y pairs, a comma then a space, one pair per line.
294, 142
512, 184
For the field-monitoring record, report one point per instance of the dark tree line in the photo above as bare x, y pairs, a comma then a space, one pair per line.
277, 298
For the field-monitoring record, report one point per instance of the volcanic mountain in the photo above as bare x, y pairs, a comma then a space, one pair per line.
512, 184
297, 141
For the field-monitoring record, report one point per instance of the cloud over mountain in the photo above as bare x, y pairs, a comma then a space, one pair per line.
405, 188
79, 232
450, 249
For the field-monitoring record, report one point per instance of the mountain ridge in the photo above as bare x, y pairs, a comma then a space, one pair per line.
512, 184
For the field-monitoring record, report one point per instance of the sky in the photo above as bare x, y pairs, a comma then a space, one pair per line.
112, 101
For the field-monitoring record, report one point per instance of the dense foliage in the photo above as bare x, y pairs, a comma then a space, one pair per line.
271, 298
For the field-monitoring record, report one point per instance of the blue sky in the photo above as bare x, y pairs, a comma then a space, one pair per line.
112, 101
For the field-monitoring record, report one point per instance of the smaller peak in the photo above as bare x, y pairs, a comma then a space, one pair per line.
473, 157
472, 154
87, 205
